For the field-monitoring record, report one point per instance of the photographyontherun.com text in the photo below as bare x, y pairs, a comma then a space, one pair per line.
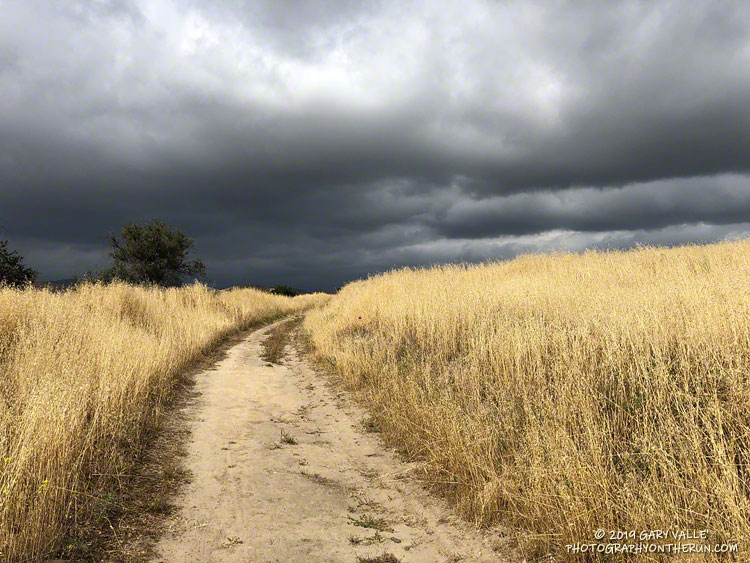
651, 542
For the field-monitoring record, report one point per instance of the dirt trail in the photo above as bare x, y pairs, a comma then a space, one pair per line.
254, 496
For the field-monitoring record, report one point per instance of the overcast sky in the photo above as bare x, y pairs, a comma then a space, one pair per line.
313, 142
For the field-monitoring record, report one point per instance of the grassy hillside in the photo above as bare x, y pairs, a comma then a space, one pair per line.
82, 376
561, 394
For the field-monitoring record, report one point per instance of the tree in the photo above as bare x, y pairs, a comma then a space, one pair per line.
12, 270
285, 290
152, 253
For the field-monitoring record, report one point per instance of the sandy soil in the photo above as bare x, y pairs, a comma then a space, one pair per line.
256, 497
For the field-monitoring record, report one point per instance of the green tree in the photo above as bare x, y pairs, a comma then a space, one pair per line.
152, 253
285, 290
12, 270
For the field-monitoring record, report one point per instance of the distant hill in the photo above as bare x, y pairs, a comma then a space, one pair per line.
63, 282
277, 289
55, 284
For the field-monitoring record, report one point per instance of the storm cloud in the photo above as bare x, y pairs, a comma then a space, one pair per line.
312, 142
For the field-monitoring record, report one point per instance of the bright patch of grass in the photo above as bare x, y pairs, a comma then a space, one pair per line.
565, 392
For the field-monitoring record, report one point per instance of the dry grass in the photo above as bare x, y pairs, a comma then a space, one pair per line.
278, 337
82, 377
565, 393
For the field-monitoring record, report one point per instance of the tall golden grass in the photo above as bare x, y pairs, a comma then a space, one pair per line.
83, 375
565, 393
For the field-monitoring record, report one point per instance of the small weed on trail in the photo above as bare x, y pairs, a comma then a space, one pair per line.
356, 540
384, 558
287, 438
368, 521
231, 541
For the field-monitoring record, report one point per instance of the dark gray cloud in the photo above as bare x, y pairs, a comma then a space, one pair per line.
313, 142
720, 200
